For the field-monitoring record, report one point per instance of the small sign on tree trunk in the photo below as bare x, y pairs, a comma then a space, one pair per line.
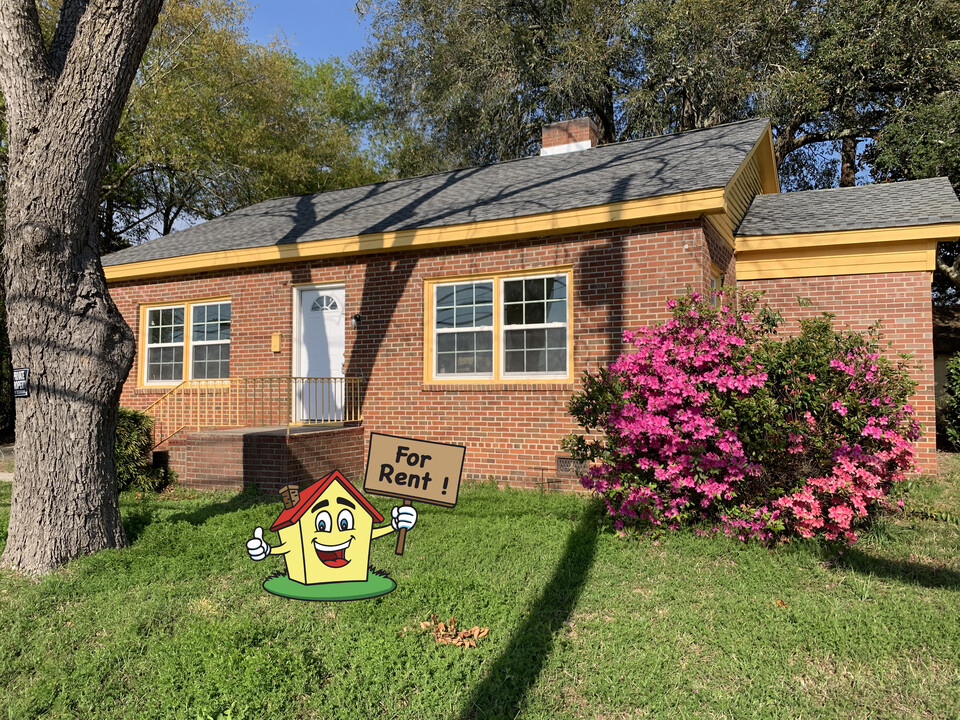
21, 383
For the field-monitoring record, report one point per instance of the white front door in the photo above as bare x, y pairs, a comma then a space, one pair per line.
321, 354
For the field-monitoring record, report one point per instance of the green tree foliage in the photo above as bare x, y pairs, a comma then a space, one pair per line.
842, 80
215, 122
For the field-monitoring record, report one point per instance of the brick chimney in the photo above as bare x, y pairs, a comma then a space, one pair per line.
569, 136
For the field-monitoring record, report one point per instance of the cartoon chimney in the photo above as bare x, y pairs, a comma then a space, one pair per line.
290, 494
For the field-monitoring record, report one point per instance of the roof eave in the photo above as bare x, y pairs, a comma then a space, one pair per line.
631, 212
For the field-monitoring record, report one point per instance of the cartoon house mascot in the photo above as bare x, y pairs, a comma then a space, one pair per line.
325, 533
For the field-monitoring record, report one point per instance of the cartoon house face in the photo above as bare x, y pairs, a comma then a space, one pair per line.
327, 533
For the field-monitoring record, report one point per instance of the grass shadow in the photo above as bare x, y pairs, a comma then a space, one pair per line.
240, 501
908, 573
517, 668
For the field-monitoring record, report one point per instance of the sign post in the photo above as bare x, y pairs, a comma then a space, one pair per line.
411, 469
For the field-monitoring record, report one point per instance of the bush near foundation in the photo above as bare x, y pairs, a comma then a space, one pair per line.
714, 421
132, 453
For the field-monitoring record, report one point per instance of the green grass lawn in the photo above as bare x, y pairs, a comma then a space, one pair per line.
582, 624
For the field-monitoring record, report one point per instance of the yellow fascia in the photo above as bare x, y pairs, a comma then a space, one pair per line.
657, 209
849, 252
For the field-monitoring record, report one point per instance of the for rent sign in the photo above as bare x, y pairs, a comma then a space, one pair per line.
414, 469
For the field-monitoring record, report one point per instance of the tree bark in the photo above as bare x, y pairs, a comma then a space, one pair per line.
63, 108
848, 162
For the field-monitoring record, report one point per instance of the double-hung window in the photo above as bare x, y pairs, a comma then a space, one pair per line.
192, 335
506, 328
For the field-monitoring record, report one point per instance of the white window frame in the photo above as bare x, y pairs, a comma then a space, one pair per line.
186, 370
194, 343
437, 331
545, 326
148, 346
431, 372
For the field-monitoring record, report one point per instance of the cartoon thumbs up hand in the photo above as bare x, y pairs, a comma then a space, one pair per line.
404, 517
257, 548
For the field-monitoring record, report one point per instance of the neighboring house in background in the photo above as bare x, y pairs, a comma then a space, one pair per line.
464, 307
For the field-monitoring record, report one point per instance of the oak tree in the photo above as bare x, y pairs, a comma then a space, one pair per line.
64, 100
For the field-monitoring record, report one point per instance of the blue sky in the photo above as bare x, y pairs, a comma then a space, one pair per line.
315, 29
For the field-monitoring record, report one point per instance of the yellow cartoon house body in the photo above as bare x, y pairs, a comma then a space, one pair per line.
325, 532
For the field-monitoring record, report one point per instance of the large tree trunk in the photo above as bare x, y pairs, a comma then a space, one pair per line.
63, 106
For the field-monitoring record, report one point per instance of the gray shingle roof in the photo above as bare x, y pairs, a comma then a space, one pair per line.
696, 160
917, 202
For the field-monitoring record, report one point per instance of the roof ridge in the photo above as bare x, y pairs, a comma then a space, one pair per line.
621, 143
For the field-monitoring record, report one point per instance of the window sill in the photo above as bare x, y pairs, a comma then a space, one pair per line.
564, 386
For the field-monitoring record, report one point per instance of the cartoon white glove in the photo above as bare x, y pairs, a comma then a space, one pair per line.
404, 516
257, 548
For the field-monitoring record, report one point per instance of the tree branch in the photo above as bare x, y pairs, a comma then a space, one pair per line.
25, 76
70, 13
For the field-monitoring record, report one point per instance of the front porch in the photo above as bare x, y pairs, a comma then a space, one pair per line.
262, 432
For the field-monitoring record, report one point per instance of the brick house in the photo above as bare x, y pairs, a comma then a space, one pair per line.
464, 307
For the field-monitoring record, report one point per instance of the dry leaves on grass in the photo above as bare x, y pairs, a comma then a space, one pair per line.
447, 633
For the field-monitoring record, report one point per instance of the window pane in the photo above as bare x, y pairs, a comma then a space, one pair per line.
557, 338
556, 288
534, 313
483, 293
536, 360
484, 315
465, 341
445, 296
557, 311
536, 339
446, 363
445, 318
484, 340
556, 360
465, 317
533, 289
514, 339
153, 335
513, 291
514, 315
485, 362
465, 363
464, 295
447, 342
514, 361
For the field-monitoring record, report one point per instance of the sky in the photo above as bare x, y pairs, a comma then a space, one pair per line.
315, 29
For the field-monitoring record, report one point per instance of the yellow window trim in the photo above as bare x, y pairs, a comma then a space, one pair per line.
187, 305
429, 287
644, 211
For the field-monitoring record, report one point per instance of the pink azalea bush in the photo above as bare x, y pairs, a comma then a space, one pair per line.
713, 420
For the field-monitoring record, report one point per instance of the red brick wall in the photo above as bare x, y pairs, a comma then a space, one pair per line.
236, 460
901, 300
621, 280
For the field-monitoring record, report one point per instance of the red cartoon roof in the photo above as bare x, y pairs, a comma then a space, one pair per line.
309, 494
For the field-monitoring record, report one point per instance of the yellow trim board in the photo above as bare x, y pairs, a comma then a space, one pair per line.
762, 243
647, 210
850, 259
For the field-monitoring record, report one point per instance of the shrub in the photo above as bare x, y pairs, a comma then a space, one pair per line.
713, 420
132, 453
